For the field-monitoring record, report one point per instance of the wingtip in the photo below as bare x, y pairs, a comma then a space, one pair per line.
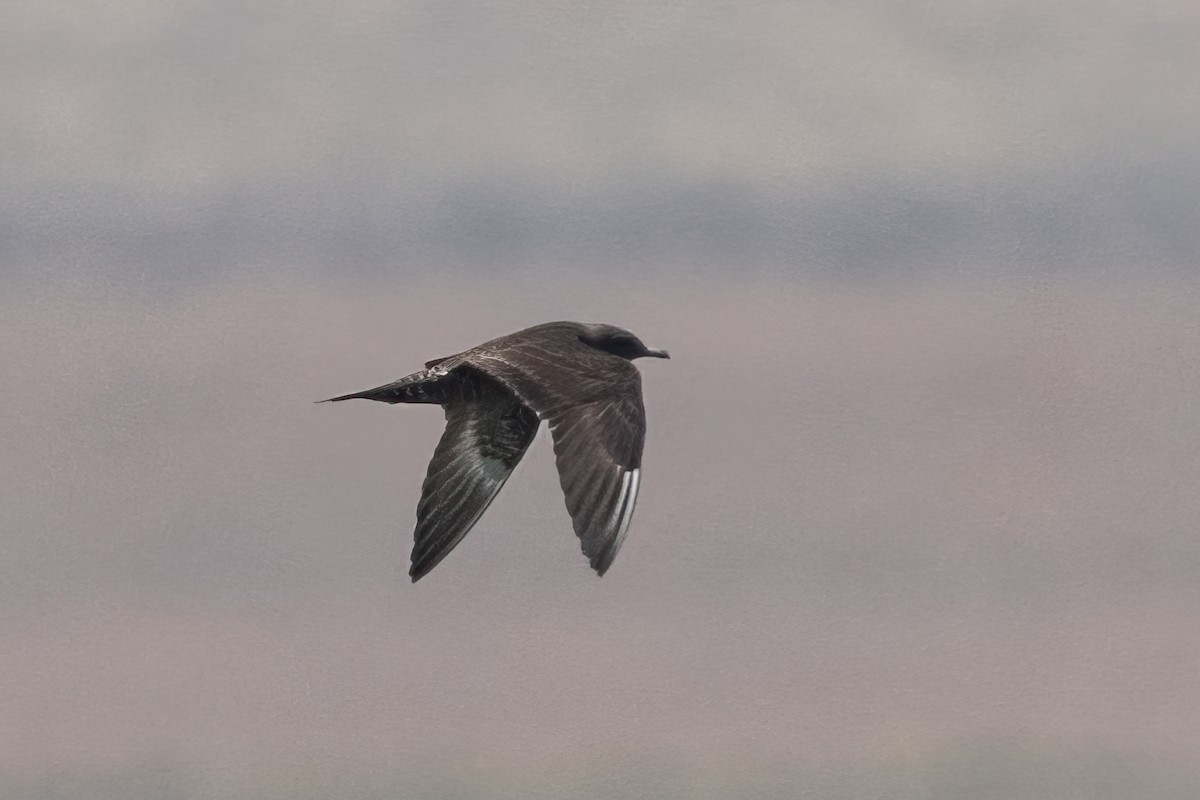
418, 571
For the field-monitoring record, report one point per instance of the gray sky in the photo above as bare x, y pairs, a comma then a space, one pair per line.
811, 139
919, 511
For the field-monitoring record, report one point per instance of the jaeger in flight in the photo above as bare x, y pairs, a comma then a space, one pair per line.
576, 376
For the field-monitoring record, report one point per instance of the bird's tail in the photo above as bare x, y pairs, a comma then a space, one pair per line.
369, 394
406, 390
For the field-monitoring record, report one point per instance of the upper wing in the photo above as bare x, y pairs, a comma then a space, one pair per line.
599, 426
487, 432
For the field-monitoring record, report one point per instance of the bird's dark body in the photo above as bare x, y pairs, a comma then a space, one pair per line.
580, 378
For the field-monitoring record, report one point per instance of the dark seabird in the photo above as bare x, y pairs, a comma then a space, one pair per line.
576, 376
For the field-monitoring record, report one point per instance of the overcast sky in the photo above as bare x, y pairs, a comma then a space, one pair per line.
919, 510
813, 139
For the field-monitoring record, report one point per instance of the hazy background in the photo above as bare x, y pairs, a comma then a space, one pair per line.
920, 502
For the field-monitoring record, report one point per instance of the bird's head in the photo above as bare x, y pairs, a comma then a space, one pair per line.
617, 341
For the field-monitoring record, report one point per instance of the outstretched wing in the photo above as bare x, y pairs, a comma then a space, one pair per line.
599, 454
487, 432
596, 416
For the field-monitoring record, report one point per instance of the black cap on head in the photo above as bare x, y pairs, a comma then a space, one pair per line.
618, 341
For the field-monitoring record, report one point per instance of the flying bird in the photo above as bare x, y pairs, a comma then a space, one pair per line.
579, 378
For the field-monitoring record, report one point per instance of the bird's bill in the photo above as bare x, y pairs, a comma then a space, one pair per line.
658, 354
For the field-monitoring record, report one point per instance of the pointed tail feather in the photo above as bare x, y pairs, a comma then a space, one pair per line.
367, 395
396, 392
413, 389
